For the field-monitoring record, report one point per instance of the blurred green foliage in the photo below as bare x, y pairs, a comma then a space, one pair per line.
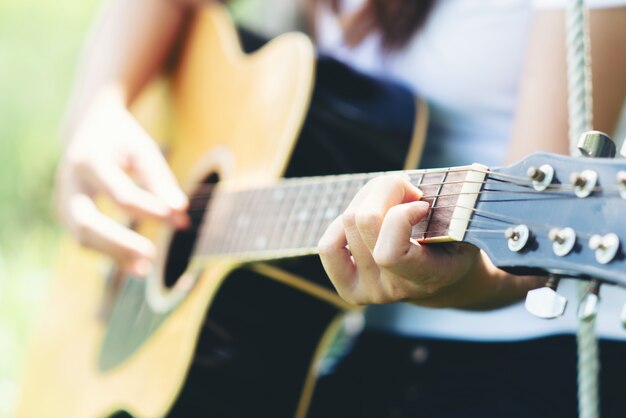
39, 46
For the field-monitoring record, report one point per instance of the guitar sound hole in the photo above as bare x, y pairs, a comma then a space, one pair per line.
183, 241
121, 414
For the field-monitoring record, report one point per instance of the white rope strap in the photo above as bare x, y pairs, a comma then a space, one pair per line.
580, 120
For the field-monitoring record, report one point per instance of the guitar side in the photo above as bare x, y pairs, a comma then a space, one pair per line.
212, 132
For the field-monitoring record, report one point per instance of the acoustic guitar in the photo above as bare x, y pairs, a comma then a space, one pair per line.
236, 335
238, 313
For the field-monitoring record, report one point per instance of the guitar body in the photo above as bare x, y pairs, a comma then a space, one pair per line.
245, 337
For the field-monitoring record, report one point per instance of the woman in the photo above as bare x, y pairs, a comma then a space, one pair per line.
494, 75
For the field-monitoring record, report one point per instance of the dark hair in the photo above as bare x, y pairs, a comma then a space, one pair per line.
396, 20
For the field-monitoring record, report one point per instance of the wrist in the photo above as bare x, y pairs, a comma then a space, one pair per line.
484, 287
106, 101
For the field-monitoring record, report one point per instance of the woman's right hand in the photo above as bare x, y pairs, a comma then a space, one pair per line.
109, 153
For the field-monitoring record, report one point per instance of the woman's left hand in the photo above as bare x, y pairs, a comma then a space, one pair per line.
369, 257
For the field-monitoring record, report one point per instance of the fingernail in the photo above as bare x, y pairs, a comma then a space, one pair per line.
418, 190
181, 220
177, 200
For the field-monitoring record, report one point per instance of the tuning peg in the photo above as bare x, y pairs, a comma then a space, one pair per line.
588, 308
545, 302
541, 176
584, 182
605, 246
517, 237
596, 144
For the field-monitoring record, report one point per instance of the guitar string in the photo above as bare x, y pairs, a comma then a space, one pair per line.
525, 181
196, 206
290, 182
494, 220
563, 189
489, 191
560, 193
517, 221
417, 172
492, 215
479, 228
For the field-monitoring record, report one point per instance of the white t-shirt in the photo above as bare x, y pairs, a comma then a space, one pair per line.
466, 62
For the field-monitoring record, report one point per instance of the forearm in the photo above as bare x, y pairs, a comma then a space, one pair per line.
128, 45
541, 121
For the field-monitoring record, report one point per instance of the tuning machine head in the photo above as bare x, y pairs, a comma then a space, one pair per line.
563, 240
623, 316
596, 144
541, 176
605, 246
518, 237
588, 308
545, 302
622, 150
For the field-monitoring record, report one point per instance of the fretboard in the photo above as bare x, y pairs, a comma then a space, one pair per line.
289, 217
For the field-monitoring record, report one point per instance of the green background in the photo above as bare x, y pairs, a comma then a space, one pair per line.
39, 45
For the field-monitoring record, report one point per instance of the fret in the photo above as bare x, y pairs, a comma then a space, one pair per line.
277, 207
282, 216
273, 200
429, 185
446, 203
229, 216
334, 208
418, 183
321, 202
419, 174
443, 199
232, 232
291, 221
275, 197
217, 228
303, 214
353, 187
260, 211
434, 202
246, 220
235, 222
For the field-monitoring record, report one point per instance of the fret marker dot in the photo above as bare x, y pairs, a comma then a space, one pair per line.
303, 216
243, 221
260, 242
330, 213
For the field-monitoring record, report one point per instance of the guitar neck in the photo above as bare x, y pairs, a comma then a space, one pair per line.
288, 218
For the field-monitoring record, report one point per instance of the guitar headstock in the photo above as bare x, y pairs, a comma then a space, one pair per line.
555, 214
